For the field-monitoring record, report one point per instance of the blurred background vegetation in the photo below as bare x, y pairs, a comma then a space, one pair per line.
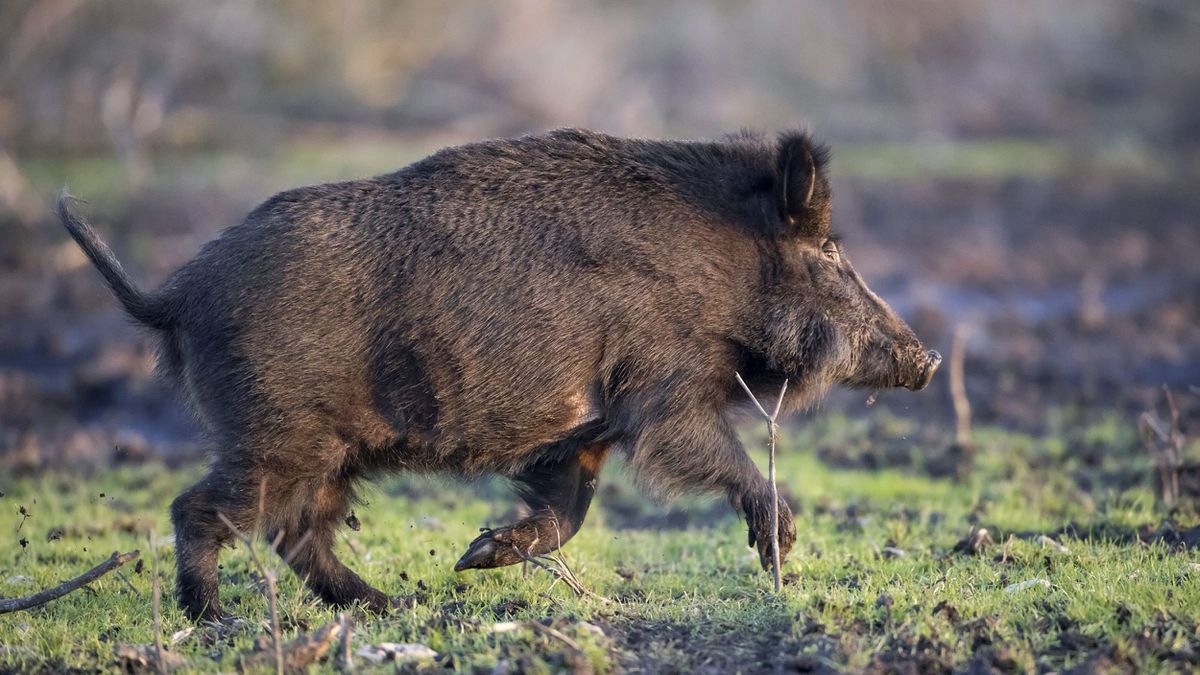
1025, 169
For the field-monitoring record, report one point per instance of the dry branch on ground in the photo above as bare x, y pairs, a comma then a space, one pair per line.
42, 597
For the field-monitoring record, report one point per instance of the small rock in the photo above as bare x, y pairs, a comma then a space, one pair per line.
181, 635
144, 659
974, 543
1047, 542
392, 651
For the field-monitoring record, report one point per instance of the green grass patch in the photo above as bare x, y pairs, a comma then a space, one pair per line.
874, 579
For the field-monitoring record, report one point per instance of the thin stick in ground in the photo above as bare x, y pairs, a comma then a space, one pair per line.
1166, 446
346, 660
772, 429
269, 576
42, 597
159, 665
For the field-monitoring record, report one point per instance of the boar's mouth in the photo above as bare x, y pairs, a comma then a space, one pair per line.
925, 374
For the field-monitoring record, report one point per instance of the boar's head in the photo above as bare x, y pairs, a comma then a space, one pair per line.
820, 324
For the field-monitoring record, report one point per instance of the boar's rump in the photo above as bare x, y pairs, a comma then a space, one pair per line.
518, 307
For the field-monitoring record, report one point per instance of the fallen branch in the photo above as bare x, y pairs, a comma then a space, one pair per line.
509, 626
772, 430
298, 653
134, 658
577, 660
42, 597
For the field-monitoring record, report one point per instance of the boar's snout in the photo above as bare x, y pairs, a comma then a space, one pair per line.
924, 370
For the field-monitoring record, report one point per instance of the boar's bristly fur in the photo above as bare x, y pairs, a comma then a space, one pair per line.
515, 307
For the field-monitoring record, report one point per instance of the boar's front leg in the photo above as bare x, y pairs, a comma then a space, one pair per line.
688, 453
558, 492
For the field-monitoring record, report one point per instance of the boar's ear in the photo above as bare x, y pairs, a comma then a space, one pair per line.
800, 163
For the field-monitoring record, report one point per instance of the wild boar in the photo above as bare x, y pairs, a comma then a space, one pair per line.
516, 307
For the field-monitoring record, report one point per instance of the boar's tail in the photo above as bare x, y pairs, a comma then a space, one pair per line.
146, 309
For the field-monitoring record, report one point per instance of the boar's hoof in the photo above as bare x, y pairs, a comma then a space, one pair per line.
494, 548
758, 520
378, 602
481, 554
222, 624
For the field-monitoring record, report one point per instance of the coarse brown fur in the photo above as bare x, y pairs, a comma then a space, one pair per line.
517, 307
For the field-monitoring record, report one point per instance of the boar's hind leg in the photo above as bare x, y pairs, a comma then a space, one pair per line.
315, 562
199, 535
558, 493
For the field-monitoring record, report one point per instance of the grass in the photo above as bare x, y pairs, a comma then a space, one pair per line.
683, 598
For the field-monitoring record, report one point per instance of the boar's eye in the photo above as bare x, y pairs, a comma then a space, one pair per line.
830, 251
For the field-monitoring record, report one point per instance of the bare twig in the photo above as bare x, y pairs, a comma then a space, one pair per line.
269, 576
299, 546
1166, 446
346, 663
561, 571
1176, 436
301, 652
262, 501
557, 566
509, 626
350, 545
42, 597
958, 388
129, 584
772, 430
159, 664
273, 604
